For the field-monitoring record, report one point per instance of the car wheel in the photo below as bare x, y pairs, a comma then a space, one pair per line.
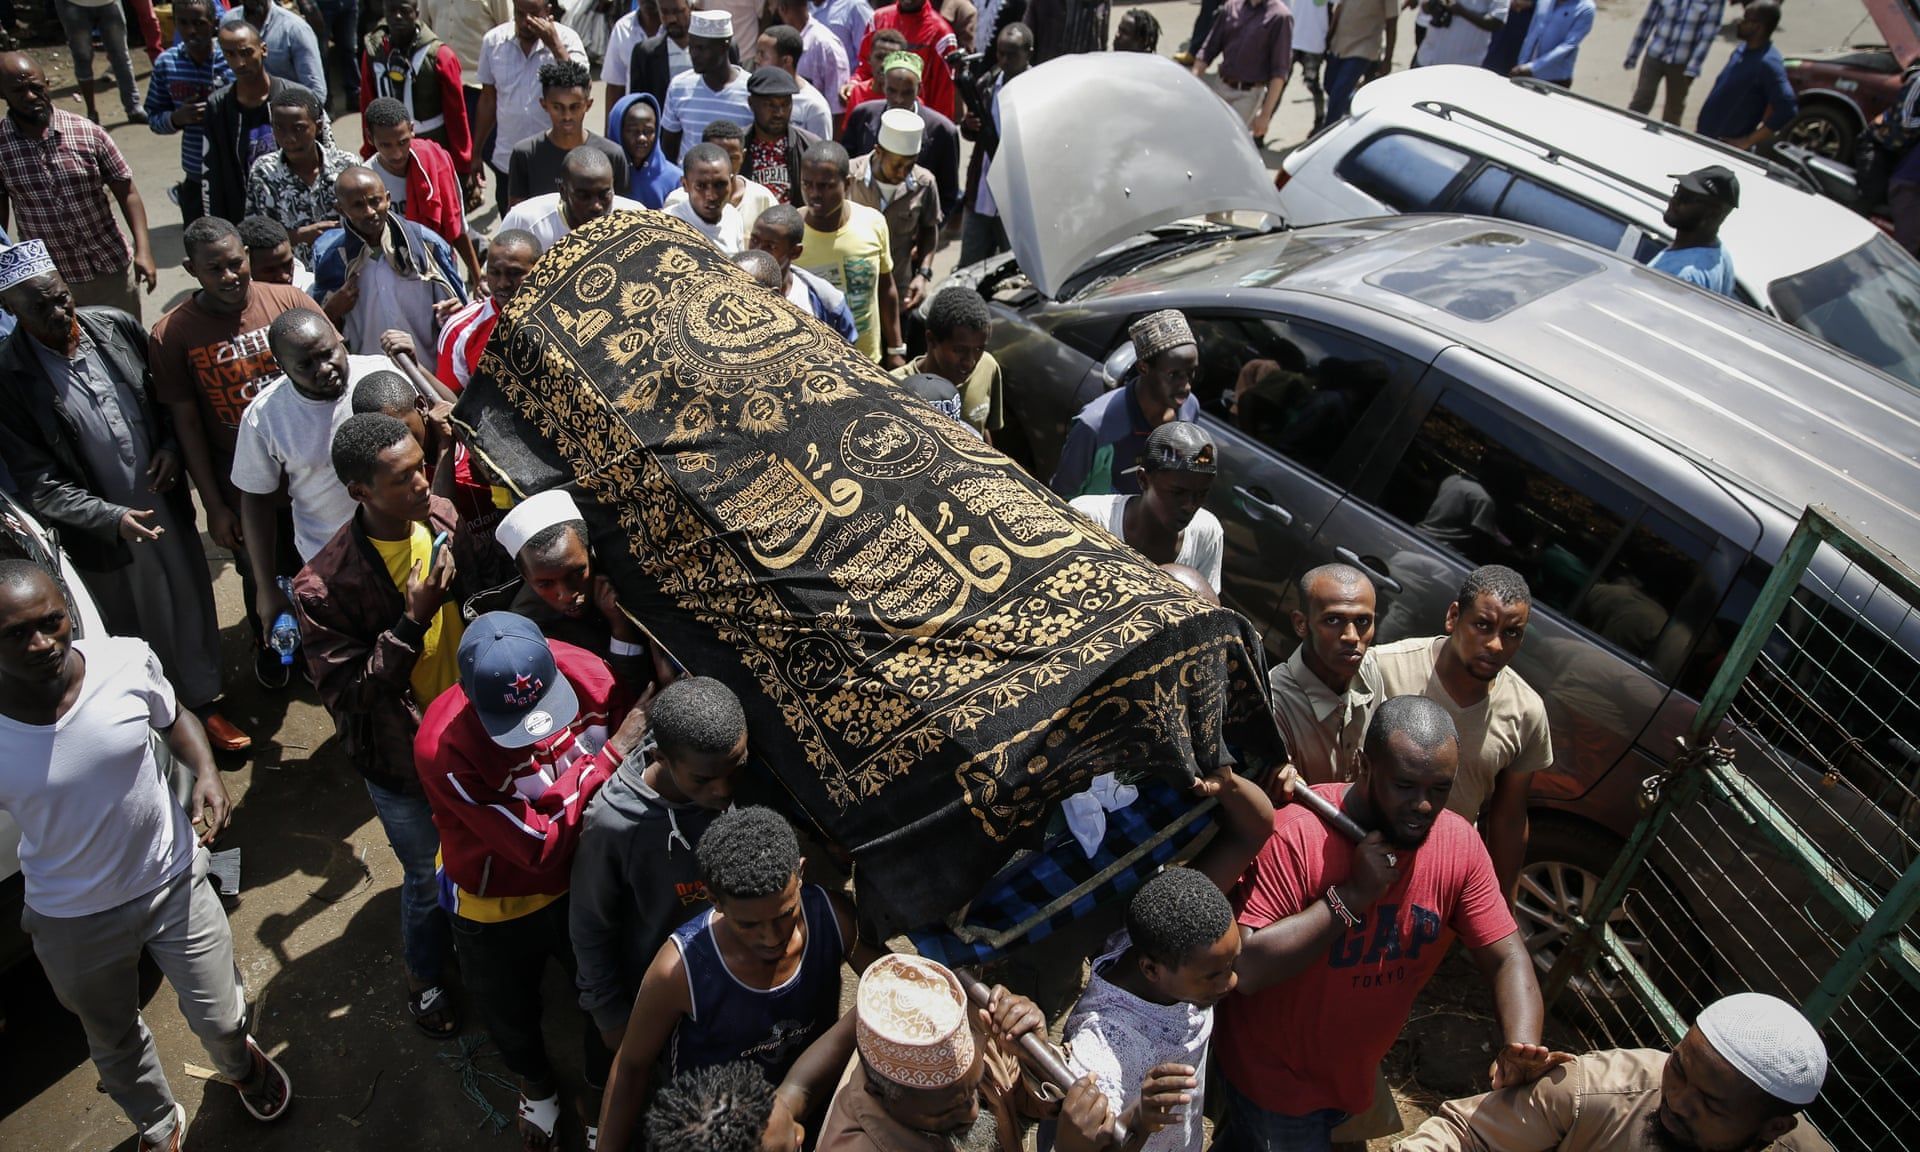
1824, 130
1566, 861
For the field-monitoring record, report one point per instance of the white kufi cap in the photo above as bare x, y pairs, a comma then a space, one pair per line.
533, 516
900, 131
1769, 1042
711, 25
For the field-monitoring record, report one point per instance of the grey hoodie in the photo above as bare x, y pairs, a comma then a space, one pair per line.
635, 880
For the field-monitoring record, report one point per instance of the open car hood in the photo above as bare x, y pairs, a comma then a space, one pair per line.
1900, 24
1098, 147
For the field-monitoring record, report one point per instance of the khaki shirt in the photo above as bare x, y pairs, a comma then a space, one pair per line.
1506, 732
1602, 1102
980, 397
916, 205
857, 1122
1324, 731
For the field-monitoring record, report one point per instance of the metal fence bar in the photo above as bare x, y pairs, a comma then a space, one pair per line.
1881, 935
1680, 787
1832, 885
1651, 998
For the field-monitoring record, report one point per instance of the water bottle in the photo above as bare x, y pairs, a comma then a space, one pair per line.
286, 630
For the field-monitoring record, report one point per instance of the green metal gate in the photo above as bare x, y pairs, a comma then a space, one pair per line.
1780, 850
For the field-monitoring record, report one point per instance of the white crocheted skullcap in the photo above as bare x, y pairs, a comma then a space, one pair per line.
1770, 1042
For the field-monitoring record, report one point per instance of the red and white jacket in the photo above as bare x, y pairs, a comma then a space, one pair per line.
462, 339
510, 818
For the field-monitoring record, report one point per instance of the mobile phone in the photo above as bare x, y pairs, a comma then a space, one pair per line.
433, 553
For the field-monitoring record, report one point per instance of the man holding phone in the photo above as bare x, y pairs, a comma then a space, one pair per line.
379, 608
183, 77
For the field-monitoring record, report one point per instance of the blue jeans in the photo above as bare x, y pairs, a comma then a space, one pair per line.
424, 936
1343, 76
1247, 1127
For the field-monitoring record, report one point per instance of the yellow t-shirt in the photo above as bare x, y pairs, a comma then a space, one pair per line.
853, 259
439, 664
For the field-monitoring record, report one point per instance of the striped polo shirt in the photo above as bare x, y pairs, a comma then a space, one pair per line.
691, 106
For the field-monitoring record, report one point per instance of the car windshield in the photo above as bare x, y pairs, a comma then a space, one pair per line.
1866, 302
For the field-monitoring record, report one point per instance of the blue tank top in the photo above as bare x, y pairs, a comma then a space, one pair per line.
731, 1021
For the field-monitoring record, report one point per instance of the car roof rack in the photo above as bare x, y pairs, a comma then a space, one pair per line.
1553, 153
1772, 168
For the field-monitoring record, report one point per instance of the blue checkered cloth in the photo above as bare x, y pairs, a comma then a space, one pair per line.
1028, 885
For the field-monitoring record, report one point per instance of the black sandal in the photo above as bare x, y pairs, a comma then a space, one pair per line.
430, 1002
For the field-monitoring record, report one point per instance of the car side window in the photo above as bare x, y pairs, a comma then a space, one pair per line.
1495, 490
1298, 388
1543, 207
1407, 172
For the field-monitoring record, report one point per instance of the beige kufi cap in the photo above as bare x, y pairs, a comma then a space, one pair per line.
911, 1021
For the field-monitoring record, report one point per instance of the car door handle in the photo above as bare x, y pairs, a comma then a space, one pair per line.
1263, 505
1380, 579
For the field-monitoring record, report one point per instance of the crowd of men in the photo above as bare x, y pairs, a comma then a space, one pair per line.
557, 788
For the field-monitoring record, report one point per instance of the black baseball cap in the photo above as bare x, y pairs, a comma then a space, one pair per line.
1715, 182
771, 81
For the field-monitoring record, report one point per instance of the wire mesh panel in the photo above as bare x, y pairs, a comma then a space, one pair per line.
1781, 850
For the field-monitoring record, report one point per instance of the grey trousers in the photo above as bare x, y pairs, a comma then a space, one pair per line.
93, 964
1652, 74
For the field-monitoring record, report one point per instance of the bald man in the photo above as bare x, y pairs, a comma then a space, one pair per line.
1326, 692
381, 271
585, 194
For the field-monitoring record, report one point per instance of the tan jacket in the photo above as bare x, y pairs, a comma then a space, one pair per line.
1602, 1102
1324, 731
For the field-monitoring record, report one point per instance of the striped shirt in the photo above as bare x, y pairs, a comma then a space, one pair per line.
179, 80
1677, 32
691, 106
462, 341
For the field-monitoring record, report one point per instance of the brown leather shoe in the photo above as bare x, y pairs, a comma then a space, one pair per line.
223, 736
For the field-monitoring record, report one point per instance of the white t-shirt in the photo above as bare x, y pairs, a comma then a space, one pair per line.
541, 216
98, 822
1200, 545
728, 235
1117, 1037
1310, 26
396, 185
1460, 42
286, 435
755, 198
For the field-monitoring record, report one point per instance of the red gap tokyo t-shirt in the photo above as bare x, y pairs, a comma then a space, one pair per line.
1313, 1042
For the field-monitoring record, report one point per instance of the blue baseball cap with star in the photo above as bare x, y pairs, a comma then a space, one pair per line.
508, 673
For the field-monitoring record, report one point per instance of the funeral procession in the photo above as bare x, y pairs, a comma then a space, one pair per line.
960, 575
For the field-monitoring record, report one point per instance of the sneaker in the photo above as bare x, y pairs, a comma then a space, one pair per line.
175, 1139
273, 675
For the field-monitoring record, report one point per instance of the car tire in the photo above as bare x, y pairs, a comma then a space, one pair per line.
1567, 859
1825, 130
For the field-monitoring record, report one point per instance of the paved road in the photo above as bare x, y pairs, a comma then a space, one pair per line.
316, 922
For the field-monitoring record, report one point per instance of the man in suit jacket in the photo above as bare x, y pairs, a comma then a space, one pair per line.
95, 457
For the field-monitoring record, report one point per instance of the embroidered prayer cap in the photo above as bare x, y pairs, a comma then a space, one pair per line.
911, 1022
1769, 1042
508, 674
908, 60
22, 262
711, 25
1156, 332
900, 130
1178, 446
533, 516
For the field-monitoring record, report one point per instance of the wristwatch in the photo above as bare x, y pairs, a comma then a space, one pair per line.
925, 271
900, 351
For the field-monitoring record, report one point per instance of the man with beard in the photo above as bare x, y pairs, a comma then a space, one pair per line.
1168, 523
1326, 692
84, 438
1700, 204
1501, 720
1337, 944
1735, 1083
381, 271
